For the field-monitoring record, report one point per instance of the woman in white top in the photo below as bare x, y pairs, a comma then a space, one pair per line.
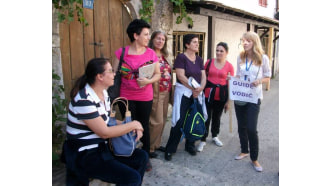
252, 66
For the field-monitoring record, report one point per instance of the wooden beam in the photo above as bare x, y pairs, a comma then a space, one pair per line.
270, 51
265, 32
211, 36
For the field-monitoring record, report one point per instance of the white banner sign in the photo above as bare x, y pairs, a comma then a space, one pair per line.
242, 91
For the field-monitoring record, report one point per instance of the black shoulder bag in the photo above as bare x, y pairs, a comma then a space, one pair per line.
114, 90
208, 67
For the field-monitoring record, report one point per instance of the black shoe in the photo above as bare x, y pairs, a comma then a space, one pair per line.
161, 148
153, 155
191, 151
149, 166
168, 156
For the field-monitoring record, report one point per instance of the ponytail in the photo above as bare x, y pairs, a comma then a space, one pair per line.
94, 66
79, 84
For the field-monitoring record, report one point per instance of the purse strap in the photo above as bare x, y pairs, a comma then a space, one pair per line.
121, 59
115, 101
208, 67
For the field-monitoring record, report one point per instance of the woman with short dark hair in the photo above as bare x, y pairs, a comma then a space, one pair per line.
138, 90
186, 65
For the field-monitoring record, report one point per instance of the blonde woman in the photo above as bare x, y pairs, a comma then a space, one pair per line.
252, 66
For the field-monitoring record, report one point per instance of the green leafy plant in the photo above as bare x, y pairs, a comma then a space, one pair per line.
58, 116
147, 10
66, 9
180, 8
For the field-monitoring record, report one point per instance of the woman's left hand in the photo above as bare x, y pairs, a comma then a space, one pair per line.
142, 81
197, 91
256, 82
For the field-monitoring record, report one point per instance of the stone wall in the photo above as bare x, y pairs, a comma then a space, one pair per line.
56, 52
162, 19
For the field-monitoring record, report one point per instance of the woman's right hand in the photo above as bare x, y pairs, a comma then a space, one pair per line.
137, 125
139, 135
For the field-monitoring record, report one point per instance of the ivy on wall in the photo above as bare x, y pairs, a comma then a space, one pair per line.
66, 9
178, 8
58, 116
147, 10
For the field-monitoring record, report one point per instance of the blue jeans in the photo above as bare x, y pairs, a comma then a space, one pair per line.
247, 120
99, 163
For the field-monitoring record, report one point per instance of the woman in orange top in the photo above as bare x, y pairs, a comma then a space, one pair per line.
216, 92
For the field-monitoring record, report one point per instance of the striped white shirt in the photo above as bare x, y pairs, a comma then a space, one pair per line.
86, 105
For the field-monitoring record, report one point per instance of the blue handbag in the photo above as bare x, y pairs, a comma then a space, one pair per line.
123, 145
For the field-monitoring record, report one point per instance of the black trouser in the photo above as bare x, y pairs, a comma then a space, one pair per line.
101, 164
140, 111
247, 119
175, 134
214, 112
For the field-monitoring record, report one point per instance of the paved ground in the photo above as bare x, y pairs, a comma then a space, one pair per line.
216, 165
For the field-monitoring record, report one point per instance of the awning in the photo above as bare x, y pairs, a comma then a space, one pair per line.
220, 7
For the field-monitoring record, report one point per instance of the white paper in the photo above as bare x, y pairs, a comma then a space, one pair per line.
192, 82
243, 91
147, 71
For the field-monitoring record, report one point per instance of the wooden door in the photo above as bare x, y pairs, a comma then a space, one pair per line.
105, 33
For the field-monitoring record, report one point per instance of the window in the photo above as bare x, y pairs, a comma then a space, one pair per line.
178, 42
263, 3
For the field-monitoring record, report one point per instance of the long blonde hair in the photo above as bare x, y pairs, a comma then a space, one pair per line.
257, 48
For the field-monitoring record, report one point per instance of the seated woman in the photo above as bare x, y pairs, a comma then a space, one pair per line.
86, 151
